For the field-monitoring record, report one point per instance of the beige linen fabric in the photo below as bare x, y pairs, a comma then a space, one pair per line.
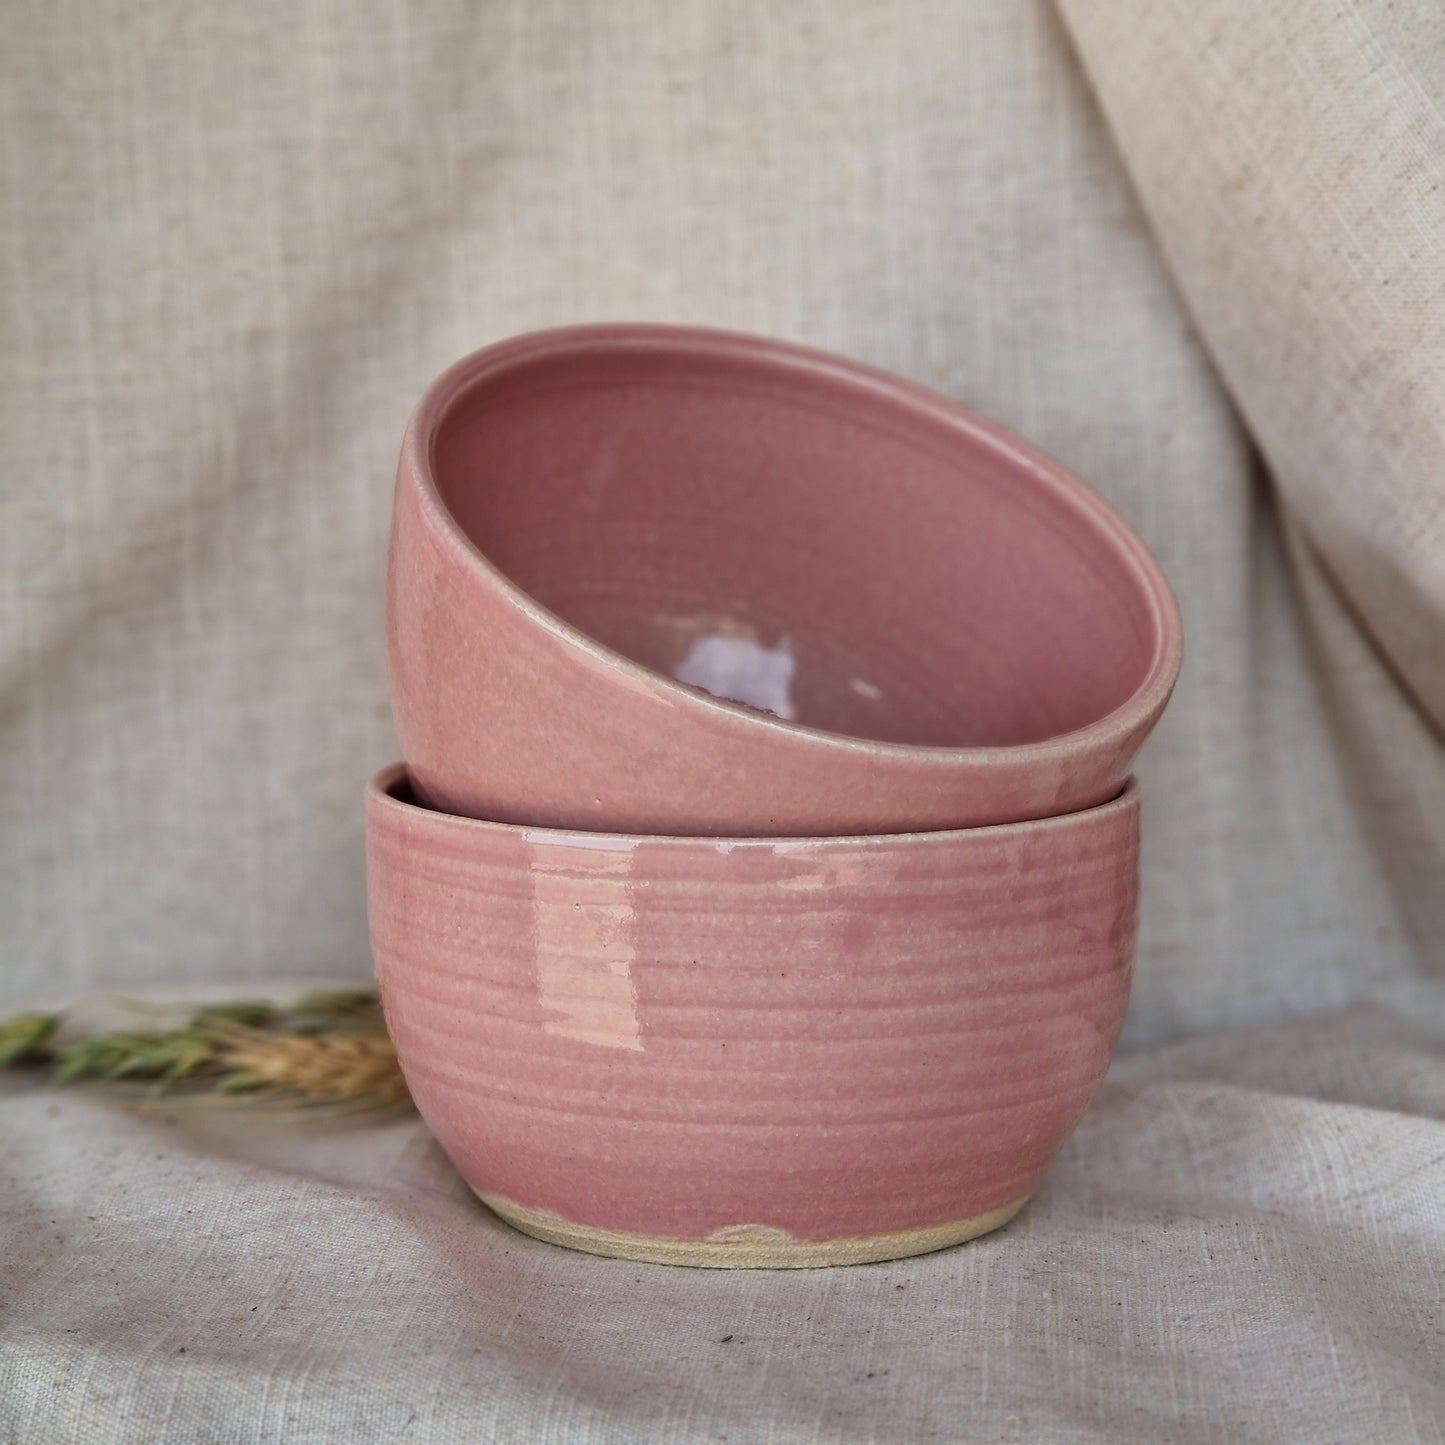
239, 240
1240, 1243
1296, 181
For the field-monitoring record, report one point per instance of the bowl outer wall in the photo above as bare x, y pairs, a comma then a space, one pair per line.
677, 1038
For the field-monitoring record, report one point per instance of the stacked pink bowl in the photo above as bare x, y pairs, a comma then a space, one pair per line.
760, 887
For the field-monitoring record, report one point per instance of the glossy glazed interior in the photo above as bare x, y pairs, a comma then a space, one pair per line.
843, 552
701, 1039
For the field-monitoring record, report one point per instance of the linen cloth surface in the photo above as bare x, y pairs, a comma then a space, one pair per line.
1192, 248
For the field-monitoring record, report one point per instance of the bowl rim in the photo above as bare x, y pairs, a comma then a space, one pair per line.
381, 796
472, 372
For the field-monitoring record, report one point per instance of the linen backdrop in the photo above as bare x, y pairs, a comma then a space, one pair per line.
1194, 248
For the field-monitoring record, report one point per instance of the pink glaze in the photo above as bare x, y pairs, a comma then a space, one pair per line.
603, 534
831, 1037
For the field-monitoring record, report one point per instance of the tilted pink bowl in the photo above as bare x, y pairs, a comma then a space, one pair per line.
752, 1053
601, 535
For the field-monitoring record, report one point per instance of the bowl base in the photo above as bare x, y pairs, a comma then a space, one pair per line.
746, 1246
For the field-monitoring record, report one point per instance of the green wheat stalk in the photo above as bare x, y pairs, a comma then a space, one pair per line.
329, 1047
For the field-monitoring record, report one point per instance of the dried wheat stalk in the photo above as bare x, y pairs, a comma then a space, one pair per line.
331, 1068
324, 1049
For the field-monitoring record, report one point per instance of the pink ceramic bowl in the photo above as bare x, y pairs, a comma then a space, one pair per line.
601, 535
752, 1053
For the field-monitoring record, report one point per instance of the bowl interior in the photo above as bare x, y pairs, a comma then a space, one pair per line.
800, 538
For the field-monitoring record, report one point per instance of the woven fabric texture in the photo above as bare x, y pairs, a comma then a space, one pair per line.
1192, 248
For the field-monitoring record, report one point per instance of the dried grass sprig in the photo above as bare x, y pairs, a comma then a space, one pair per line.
24, 1039
327, 1049
332, 1068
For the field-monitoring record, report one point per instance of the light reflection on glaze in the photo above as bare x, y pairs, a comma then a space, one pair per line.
592, 842
833, 875
742, 670
585, 954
